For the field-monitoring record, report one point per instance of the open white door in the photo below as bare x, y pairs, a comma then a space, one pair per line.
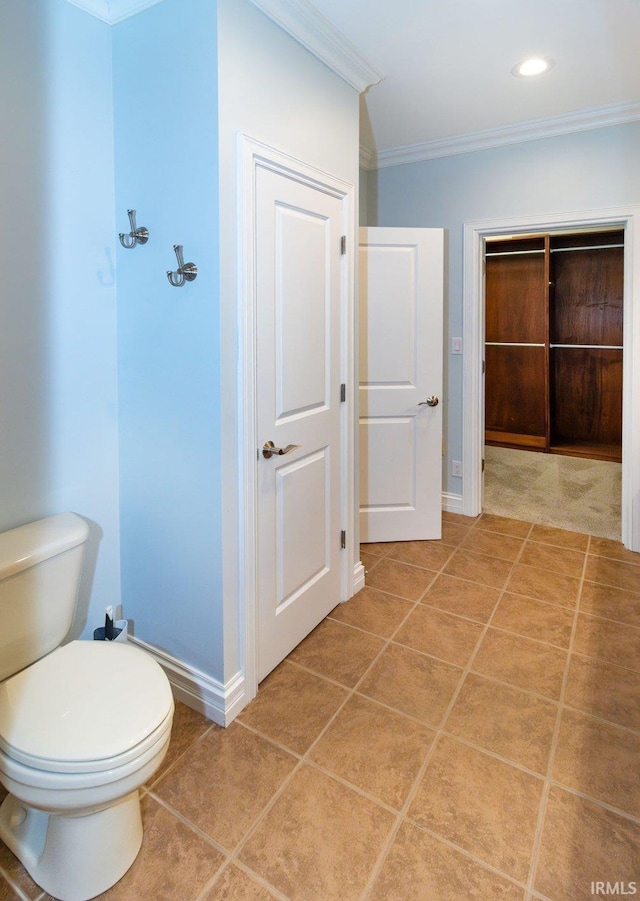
299, 291
401, 298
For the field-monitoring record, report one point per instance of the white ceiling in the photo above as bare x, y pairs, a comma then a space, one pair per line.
447, 69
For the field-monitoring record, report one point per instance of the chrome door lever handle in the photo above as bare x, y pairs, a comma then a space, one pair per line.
270, 449
431, 401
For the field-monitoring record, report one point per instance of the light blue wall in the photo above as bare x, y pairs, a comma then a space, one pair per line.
584, 171
110, 405
272, 90
58, 398
165, 97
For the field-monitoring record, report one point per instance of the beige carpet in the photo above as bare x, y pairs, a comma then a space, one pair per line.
566, 492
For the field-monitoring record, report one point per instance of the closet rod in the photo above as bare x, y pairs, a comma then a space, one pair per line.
511, 344
511, 253
587, 247
590, 346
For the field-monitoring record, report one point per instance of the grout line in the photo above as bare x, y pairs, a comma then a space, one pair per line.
606, 661
525, 691
416, 566
538, 896
371, 631
542, 811
414, 719
357, 789
256, 877
232, 858
489, 753
607, 619
4, 876
305, 758
148, 786
399, 626
273, 741
190, 824
547, 644
599, 718
440, 731
233, 855
464, 853
468, 668
623, 814
399, 821
402, 817
397, 597
318, 674
354, 690
635, 563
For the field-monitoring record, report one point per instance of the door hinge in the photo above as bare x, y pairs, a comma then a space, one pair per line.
343, 539
343, 393
482, 464
343, 244
483, 367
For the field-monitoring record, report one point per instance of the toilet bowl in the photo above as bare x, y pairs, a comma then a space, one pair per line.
82, 728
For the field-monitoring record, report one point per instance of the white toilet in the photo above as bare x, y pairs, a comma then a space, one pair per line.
82, 726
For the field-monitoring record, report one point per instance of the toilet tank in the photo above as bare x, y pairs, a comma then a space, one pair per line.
40, 566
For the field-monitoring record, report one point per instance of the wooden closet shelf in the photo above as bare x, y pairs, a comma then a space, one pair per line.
607, 452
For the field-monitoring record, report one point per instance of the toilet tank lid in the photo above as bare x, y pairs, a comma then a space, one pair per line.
28, 545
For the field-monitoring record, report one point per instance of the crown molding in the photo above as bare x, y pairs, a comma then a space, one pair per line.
113, 11
297, 17
367, 158
310, 28
581, 120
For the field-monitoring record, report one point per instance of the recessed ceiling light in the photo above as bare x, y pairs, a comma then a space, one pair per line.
529, 68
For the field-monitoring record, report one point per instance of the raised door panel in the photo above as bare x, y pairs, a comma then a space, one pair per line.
302, 305
303, 521
387, 325
388, 468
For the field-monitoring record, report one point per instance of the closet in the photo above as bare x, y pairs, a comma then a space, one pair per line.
553, 343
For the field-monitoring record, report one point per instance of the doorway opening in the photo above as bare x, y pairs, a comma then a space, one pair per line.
627, 219
553, 378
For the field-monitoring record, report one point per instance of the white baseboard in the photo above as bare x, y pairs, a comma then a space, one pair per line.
217, 701
452, 503
223, 702
358, 577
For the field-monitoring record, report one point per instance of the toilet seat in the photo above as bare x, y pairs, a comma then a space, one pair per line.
92, 707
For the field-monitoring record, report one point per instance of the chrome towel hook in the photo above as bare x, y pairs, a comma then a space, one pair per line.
136, 235
186, 272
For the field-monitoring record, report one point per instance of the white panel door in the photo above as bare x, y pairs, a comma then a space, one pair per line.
298, 331
401, 298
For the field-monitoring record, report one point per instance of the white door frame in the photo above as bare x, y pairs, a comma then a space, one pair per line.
473, 332
253, 154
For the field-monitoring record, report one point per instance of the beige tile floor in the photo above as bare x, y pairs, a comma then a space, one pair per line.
468, 726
